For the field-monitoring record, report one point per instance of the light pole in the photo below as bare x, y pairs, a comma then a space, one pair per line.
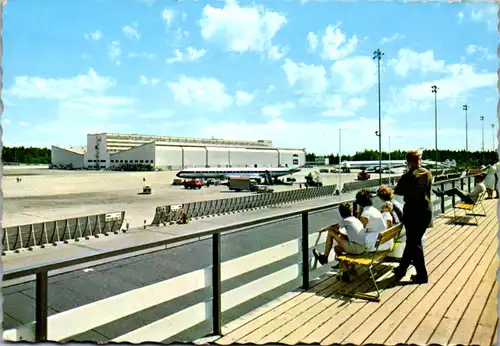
389, 160
378, 55
465, 108
434, 89
482, 132
493, 136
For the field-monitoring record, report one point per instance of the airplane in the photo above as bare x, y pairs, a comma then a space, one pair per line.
393, 164
224, 173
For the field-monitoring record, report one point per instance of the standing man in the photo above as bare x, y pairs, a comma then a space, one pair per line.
415, 187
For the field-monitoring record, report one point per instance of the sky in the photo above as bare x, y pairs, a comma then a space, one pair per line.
291, 71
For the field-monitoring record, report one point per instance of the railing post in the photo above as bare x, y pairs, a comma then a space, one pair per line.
461, 184
453, 197
468, 182
305, 250
216, 284
442, 199
41, 306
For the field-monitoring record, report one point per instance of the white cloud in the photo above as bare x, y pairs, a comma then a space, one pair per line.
152, 81
144, 55
22, 123
485, 13
6, 121
460, 16
483, 52
357, 103
241, 29
100, 107
114, 52
157, 115
243, 98
276, 110
204, 92
312, 39
131, 32
96, 35
277, 52
358, 74
63, 88
167, 15
408, 60
392, 38
191, 54
270, 88
336, 113
335, 108
309, 79
336, 45
317, 136
460, 80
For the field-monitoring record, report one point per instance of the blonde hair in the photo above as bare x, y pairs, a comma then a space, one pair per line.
388, 205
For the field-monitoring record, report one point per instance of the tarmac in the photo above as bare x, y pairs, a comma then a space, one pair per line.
46, 195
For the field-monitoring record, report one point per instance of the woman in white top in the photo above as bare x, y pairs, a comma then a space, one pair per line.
387, 214
372, 220
489, 181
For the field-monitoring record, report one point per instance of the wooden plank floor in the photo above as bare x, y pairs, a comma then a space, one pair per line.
457, 306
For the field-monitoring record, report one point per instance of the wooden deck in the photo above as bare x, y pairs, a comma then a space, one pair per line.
457, 306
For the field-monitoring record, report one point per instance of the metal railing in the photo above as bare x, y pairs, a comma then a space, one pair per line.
60, 231
41, 270
169, 214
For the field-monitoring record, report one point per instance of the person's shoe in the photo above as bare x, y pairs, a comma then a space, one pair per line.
416, 280
438, 193
397, 274
345, 277
319, 257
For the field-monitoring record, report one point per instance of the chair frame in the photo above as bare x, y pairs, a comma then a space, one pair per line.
373, 258
471, 207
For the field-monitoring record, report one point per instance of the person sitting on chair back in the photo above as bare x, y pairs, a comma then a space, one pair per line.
470, 197
352, 243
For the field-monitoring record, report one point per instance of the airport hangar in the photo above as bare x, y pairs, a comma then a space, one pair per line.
110, 150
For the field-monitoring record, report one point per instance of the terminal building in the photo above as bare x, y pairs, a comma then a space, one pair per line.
111, 150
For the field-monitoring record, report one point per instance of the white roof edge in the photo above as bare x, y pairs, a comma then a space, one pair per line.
68, 149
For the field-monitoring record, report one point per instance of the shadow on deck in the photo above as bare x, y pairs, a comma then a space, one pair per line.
457, 306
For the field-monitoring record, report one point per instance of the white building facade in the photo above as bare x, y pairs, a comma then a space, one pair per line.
110, 151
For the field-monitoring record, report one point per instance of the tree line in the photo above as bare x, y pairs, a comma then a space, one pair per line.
461, 157
26, 155
33, 155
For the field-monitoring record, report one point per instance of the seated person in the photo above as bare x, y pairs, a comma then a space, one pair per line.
470, 197
352, 242
372, 220
387, 214
386, 194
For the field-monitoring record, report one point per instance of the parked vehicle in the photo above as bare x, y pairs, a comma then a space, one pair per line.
241, 184
313, 180
178, 181
193, 184
363, 175
146, 189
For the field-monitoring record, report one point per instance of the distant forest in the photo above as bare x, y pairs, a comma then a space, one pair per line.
30, 155
461, 157
25, 155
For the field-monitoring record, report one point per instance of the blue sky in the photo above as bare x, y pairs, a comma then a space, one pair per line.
291, 71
